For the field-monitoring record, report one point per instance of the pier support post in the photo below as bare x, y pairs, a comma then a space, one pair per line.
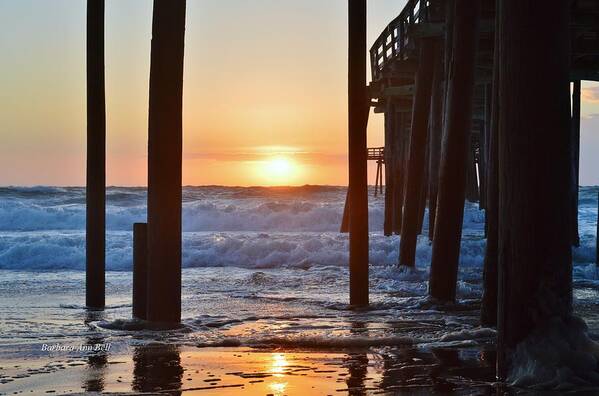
484, 146
379, 164
424, 185
378, 176
140, 270
575, 150
164, 161
416, 154
535, 262
488, 314
435, 135
456, 143
345, 219
95, 228
358, 183
390, 179
401, 147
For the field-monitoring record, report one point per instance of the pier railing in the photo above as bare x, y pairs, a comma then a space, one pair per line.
394, 42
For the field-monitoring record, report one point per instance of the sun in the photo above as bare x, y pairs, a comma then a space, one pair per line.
278, 170
279, 167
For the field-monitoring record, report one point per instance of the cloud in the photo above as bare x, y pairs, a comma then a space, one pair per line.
590, 94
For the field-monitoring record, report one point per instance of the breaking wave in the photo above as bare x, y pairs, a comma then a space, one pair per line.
42, 228
309, 208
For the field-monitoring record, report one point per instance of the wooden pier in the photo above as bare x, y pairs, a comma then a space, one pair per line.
470, 114
476, 128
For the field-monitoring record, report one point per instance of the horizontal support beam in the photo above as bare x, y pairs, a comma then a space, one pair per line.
400, 90
398, 109
584, 75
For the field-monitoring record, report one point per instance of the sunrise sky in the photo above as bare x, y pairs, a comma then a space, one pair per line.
264, 97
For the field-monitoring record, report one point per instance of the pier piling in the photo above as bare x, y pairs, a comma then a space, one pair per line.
535, 261
400, 154
390, 179
417, 153
345, 219
95, 192
140, 270
435, 135
423, 196
575, 152
484, 145
454, 152
165, 161
358, 103
489, 298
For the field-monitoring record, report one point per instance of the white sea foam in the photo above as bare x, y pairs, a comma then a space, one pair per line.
469, 334
298, 340
558, 355
313, 342
42, 228
41, 250
204, 209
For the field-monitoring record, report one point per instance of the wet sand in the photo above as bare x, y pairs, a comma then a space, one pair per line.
164, 369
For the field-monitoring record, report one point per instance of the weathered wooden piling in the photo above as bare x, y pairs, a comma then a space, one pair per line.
345, 219
140, 270
164, 161
575, 152
535, 263
441, 120
423, 196
484, 145
379, 172
390, 180
376, 180
358, 183
454, 152
488, 315
95, 228
447, 56
417, 150
400, 155
435, 135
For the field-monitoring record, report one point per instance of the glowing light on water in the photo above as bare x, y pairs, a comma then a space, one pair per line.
278, 387
279, 363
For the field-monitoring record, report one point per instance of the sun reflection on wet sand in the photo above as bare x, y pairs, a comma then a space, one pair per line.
278, 365
232, 371
279, 362
278, 387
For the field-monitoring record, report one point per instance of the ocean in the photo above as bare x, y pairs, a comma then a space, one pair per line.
262, 267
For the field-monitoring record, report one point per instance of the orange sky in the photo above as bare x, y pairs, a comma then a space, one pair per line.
264, 96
